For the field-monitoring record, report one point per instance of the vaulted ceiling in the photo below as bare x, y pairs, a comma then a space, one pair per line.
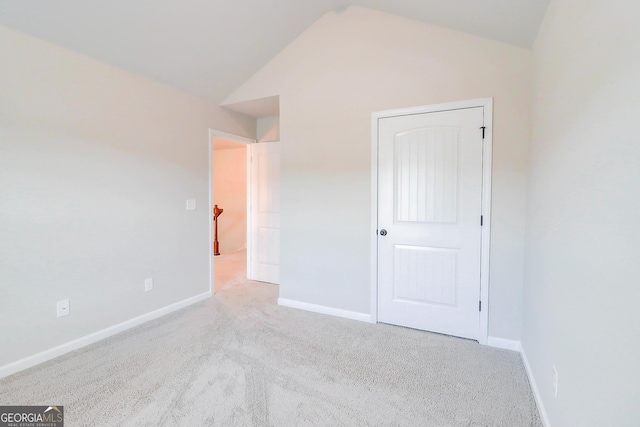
210, 47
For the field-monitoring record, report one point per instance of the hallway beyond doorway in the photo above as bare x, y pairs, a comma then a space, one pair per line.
230, 269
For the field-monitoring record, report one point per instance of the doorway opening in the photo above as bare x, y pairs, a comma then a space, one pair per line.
244, 206
230, 158
229, 203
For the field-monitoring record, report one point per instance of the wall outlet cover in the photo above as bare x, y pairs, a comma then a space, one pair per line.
148, 284
62, 308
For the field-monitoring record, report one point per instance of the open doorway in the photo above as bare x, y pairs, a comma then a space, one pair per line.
229, 192
231, 204
244, 206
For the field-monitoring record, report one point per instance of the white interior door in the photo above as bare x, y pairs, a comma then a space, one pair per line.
429, 206
265, 212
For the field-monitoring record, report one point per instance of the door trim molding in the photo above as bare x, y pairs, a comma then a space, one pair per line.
487, 150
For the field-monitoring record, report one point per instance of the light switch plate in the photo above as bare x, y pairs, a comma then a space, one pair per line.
191, 204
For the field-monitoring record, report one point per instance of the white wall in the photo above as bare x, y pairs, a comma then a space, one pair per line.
95, 167
230, 194
581, 305
343, 68
268, 129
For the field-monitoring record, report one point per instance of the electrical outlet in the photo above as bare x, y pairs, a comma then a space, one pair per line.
148, 284
191, 204
63, 308
555, 382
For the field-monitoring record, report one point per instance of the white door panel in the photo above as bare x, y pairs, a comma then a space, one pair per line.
265, 212
429, 203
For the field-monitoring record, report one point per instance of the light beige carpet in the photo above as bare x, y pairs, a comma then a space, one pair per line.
241, 360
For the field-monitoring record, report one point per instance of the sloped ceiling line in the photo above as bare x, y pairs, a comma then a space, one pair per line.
210, 47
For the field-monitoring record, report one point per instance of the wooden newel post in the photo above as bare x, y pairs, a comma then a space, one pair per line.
216, 213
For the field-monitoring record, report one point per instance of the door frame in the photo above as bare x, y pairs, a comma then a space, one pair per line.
485, 250
241, 139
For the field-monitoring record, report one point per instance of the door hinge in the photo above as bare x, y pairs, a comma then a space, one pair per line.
483, 128
481, 220
479, 305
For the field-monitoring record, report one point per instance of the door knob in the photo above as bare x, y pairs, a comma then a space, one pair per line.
383, 232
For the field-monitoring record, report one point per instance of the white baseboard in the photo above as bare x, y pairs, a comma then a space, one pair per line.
362, 317
54, 352
517, 346
504, 344
536, 391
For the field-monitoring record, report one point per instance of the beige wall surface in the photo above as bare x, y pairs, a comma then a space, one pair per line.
581, 310
343, 68
268, 129
96, 165
230, 194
